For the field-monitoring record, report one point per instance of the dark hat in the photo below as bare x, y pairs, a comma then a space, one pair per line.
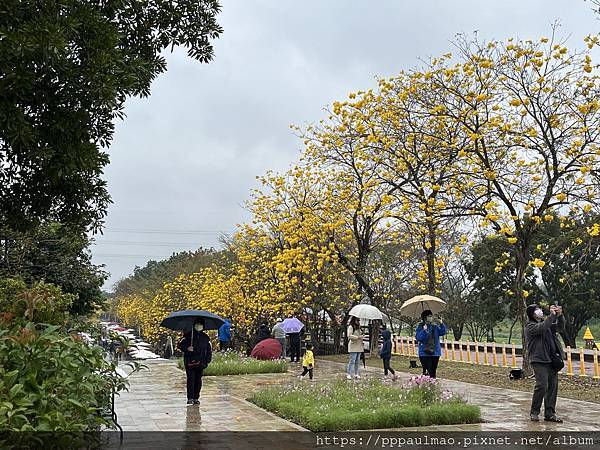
530, 310
426, 313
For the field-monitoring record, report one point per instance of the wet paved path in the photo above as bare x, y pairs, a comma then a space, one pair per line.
156, 402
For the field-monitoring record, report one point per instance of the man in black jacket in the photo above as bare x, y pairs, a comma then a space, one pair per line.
197, 354
545, 355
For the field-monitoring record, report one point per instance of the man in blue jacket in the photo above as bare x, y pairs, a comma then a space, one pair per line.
225, 335
428, 337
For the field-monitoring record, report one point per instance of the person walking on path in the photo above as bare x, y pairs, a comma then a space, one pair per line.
546, 356
225, 335
428, 336
279, 334
308, 363
386, 353
263, 333
197, 355
355, 347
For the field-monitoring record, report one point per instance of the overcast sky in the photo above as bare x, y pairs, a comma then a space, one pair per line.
183, 162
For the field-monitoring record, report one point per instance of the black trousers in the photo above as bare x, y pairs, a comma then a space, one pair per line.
194, 382
429, 364
307, 371
295, 351
223, 345
546, 389
386, 367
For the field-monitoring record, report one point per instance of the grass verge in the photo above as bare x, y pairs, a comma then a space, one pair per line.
341, 405
575, 387
232, 363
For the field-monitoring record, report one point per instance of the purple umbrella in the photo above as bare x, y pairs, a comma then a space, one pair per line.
292, 325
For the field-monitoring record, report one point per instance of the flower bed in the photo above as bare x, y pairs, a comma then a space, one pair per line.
343, 405
234, 363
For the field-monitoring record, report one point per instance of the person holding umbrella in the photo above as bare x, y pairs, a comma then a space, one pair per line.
428, 336
195, 345
293, 328
197, 354
355, 347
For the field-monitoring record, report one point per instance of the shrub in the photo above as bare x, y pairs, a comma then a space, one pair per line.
52, 381
42, 302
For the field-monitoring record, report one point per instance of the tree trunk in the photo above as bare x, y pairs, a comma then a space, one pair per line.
374, 342
511, 330
522, 256
430, 257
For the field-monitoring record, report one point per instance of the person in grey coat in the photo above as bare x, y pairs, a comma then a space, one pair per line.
546, 356
279, 334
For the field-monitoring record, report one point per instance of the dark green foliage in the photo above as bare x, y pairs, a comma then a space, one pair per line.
51, 381
66, 69
57, 255
42, 302
571, 275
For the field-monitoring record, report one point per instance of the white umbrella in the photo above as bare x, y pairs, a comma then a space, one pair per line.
368, 312
416, 305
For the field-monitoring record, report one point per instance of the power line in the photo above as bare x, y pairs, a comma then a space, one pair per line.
163, 231
152, 244
119, 255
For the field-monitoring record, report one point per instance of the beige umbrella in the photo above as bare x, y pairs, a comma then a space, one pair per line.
415, 306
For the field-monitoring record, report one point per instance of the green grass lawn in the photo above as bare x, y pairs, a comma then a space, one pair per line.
574, 387
233, 363
366, 405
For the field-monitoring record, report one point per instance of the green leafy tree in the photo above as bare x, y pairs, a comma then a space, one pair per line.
66, 69
571, 272
491, 269
57, 255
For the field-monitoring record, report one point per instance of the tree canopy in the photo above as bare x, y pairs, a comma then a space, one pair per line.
66, 69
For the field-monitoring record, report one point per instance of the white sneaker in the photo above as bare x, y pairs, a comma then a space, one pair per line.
348, 377
301, 377
357, 376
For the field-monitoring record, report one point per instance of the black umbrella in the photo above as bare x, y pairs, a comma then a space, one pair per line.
185, 320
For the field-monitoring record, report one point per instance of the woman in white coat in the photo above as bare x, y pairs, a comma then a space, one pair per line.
355, 347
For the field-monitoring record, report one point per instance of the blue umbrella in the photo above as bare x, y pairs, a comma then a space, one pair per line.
292, 325
184, 320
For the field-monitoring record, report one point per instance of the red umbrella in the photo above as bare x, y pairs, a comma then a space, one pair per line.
267, 349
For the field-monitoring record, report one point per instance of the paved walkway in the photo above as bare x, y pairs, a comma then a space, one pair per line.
156, 402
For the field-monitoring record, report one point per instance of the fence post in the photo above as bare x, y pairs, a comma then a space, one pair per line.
504, 360
445, 348
402, 346
414, 345
596, 369
453, 352
569, 362
476, 352
469, 353
582, 363
460, 352
394, 345
514, 357
486, 361
494, 355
